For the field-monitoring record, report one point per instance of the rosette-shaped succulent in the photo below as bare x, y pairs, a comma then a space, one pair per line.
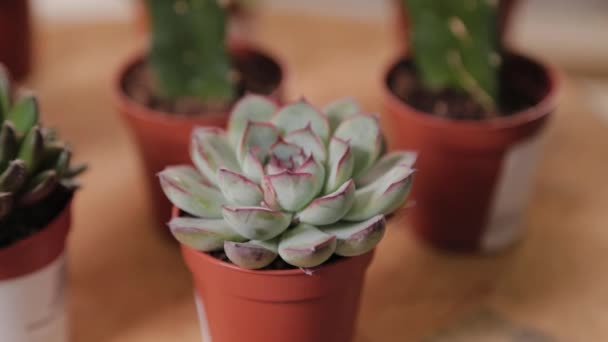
34, 166
294, 182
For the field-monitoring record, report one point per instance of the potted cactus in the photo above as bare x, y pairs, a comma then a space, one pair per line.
189, 77
475, 112
36, 189
15, 37
279, 218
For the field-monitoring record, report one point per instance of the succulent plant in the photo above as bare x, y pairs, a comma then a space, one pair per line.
455, 46
188, 55
294, 182
33, 164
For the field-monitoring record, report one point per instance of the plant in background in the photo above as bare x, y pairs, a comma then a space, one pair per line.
292, 182
36, 178
188, 54
456, 46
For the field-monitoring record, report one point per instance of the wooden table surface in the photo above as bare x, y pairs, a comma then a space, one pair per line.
128, 282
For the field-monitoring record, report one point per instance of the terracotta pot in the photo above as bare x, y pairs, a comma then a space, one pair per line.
164, 138
474, 177
32, 285
235, 304
15, 37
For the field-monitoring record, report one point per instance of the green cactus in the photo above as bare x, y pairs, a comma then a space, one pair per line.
292, 182
188, 54
33, 166
455, 46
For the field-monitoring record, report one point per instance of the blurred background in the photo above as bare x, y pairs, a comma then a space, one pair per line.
565, 32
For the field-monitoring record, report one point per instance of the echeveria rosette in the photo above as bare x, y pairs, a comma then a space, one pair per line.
293, 182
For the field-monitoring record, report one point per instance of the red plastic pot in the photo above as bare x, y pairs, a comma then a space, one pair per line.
474, 177
164, 138
32, 285
276, 306
15, 37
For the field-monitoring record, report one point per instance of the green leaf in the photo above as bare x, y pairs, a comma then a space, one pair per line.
32, 149
256, 223
24, 114
251, 255
5, 93
203, 234
306, 246
356, 238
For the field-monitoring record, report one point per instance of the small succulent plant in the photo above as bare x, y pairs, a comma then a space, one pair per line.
188, 53
456, 46
33, 163
294, 182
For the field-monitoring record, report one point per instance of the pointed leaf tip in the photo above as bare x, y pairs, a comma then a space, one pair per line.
356, 238
205, 235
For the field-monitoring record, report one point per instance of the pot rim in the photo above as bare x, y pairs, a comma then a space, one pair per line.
205, 257
47, 234
522, 117
123, 101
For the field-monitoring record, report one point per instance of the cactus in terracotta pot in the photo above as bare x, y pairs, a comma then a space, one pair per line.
188, 54
34, 164
292, 182
456, 46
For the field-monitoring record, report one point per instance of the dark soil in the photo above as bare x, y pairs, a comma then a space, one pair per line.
26, 221
406, 85
255, 73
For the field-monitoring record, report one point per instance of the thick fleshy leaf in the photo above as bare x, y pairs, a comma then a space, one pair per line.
310, 143
253, 254
300, 114
210, 151
5, 93
340, 165
257, 139
306, 246
383, 196
32, 149
38, 188
24, 114
290, 191
363, 134
385, 164
356, 238
9, 144
191, 192
14, 177
256, 223
63, 162
203, 234
249, 108
6, 204
330, 208
252, 167
341, 109
285, 151
315, 168
238, 189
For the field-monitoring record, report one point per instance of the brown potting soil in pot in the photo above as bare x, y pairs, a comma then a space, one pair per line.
405, 83
256, 73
